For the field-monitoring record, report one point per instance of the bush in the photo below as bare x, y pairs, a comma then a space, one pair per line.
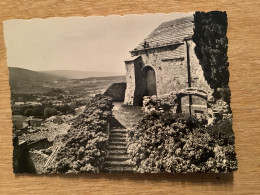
48, 112
28, 112
54, 92
181, 143
222, 132
85, 145
65, 109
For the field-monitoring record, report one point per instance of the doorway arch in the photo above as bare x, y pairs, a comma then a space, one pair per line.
149, 81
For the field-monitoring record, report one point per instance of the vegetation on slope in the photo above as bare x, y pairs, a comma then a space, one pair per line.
167, 142
85, 145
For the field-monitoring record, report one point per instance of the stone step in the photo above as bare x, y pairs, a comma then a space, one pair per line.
113, 147
118, 169
117, 143
117, 157
117, 152
118, 131
117, 135
125, 163
117, 139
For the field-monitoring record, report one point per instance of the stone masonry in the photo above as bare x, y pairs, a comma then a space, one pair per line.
165, 63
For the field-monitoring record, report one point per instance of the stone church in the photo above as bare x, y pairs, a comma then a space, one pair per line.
165, 63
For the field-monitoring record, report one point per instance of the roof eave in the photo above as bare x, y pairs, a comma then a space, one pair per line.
144, 49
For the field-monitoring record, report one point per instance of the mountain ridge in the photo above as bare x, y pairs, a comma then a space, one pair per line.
22, 76
75, 74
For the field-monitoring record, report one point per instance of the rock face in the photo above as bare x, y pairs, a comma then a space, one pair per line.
116, 91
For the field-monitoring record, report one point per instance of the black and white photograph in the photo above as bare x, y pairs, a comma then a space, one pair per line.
114, 94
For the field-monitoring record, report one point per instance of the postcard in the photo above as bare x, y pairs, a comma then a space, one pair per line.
135, 93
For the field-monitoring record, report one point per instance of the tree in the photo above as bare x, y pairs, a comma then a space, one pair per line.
28, 112
48, 112
38, 111
211, 49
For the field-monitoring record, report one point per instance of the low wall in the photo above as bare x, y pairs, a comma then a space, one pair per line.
116, 91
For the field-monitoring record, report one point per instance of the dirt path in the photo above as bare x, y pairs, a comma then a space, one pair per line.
127, 115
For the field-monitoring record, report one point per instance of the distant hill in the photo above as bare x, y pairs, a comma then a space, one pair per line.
116, 79
19, 77
72, 74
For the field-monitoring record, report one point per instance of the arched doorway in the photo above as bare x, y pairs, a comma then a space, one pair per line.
192, 101
149, 78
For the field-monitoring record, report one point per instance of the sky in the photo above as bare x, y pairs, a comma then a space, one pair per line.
94, 43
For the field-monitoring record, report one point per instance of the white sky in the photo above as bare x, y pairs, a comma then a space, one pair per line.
94, 43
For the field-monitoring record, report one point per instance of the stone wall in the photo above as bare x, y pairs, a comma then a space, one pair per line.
139, 82
130, 83
163, 104
116, 91
134, 81
172, 73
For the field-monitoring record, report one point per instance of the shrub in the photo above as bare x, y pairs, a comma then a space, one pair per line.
181, 143
48, 112
85, 145
65, 109
28, 112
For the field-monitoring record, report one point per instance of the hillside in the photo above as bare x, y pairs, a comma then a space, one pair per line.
73, 74
19, 77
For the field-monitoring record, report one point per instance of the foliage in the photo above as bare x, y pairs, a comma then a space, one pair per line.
28, 112
65, 109
86, 142
211, 49
211, 46
222, 132
48, 112
169, 142
54, 92
22, 97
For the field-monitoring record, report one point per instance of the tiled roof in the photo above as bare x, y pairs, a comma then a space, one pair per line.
168, 33
178, 53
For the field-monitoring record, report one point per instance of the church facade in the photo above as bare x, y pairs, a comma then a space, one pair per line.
165, 63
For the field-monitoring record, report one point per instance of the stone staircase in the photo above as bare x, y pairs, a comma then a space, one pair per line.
118, 159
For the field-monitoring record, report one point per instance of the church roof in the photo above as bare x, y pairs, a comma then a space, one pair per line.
177, 54
132, 59
168, 33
